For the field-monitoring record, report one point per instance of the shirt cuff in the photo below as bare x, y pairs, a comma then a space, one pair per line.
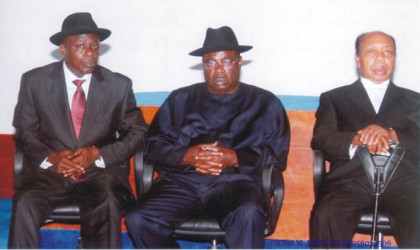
352, 151
45, 164
100, 163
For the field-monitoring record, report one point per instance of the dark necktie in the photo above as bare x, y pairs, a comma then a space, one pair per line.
78, 107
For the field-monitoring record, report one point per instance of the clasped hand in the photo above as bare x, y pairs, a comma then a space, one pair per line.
73, 163
210, 158
376, 138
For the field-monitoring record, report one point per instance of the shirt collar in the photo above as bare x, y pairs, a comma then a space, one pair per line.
368, 84
70, 77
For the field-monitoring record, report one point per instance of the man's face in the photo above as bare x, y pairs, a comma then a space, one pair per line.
81, 53
376, 58
221, 71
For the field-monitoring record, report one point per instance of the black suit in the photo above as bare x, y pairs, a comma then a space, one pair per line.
346, 190
43, 125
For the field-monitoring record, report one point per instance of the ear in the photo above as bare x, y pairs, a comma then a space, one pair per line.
357, 60
240, 61
63, 49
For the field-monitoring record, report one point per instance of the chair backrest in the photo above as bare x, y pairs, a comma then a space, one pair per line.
18, 161
319, 167
143, 174
273, 190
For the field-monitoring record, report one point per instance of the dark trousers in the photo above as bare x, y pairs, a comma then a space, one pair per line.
234, 199
337, 210
101, 197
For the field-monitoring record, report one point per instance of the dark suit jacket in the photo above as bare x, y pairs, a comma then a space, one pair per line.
345, 110
43, 122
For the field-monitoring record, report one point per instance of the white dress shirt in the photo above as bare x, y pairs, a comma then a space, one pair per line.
375, 91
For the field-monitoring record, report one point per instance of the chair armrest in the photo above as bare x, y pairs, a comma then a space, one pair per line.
143, 174
319, 170
18, 161
273, 192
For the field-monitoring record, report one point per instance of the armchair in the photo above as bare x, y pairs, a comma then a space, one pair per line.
206, 228
67, 213
366, 222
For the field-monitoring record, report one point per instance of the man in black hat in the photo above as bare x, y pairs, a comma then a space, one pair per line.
77, 124
209, 142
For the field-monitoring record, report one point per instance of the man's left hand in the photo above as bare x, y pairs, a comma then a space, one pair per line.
216, 157
210, 158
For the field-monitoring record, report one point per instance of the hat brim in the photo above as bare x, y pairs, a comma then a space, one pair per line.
209, 49
58, 38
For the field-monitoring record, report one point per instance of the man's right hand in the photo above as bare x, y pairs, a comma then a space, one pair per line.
63, 163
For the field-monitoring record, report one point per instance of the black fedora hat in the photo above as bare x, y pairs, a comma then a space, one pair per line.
220, 39
79, 23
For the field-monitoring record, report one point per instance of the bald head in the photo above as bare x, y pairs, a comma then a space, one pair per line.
363, 35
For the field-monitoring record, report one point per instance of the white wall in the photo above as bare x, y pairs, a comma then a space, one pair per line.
301, 47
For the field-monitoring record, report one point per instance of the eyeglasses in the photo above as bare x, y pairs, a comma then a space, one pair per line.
226, 63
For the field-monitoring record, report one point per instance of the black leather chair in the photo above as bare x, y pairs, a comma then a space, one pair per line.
206, 228
365, 225
67, 213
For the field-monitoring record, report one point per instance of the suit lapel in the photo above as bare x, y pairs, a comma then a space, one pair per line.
359, 96
95, 101
390, 99
60, 104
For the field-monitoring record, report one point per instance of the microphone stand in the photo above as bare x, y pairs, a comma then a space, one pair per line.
379, 170
378, 181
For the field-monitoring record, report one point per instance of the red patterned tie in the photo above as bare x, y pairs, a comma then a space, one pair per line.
78, 107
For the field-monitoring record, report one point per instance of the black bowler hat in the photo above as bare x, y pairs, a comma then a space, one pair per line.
221, 39
79, 23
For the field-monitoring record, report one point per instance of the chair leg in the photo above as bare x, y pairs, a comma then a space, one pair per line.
214, 245
79, 243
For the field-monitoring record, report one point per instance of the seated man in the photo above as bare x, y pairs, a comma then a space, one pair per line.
371, 111
67, 119
209, 142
